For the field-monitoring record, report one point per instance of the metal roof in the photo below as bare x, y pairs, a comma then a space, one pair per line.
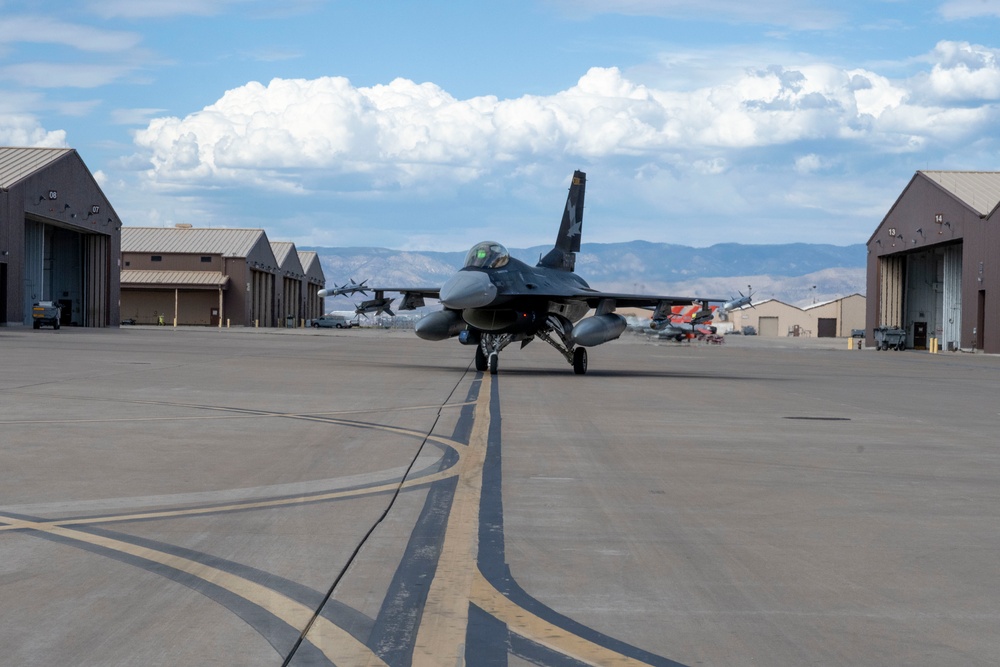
148, 278
979, 190
16, 164
225, 242
311, 266
282, 250
288, 258
307, 257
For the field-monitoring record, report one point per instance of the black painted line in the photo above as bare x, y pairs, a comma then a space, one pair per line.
395, 631
492, 560
279, 634
371, 530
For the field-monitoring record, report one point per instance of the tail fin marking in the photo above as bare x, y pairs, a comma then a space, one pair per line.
563, 254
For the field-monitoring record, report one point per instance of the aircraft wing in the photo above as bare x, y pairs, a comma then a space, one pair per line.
413, 297
661, 303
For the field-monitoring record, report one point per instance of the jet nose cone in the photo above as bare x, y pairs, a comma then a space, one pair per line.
468, 289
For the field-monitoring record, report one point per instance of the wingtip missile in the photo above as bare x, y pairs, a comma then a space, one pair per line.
740, 302
346, 289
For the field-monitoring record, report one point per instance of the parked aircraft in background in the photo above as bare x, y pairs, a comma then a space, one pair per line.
496, 300
685, 322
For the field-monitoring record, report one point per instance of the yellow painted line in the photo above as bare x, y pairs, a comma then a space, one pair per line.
336, 644
458, 581
521, 621
445, 617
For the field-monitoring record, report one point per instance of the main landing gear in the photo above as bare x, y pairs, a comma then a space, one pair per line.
557, 334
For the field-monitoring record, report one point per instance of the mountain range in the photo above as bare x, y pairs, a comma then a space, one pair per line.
796, 273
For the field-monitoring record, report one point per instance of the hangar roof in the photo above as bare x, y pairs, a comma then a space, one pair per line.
287, 257
148, 278
225, 242
282, 250
16, 164
980, 190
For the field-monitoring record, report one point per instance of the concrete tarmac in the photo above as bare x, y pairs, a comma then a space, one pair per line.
271, 497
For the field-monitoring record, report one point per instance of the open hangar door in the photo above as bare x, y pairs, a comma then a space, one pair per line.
69, 267
933, 297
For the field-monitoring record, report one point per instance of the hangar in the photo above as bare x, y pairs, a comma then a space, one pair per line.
216, 277
932, 262
830, 319
59, 239
314, 281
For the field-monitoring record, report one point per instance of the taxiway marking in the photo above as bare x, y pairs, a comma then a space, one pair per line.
445, 617
532, 627
335, 643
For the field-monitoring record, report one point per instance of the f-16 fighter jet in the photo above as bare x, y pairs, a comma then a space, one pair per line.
496, 300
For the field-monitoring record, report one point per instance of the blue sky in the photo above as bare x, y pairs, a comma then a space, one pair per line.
433, 125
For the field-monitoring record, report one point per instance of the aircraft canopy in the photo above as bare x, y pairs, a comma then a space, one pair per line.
487, 255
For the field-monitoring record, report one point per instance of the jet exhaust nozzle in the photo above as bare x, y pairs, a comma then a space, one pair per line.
598, 329
440, 325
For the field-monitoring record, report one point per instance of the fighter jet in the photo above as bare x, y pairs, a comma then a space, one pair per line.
496, 300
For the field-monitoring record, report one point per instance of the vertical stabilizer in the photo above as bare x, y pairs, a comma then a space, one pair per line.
563, 255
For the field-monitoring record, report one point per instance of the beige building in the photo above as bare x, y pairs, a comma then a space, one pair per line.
837, 319
215, 277
832, 319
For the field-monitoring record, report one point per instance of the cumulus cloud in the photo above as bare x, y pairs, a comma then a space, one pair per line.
961, 72
403, 132
807, 164
25, 130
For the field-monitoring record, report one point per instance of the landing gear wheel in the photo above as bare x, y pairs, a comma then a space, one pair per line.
481, 362
580, 360
494, 363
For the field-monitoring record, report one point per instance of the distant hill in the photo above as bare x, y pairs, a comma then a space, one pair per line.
787, 272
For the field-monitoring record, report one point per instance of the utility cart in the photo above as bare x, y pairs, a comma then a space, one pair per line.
886, 337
